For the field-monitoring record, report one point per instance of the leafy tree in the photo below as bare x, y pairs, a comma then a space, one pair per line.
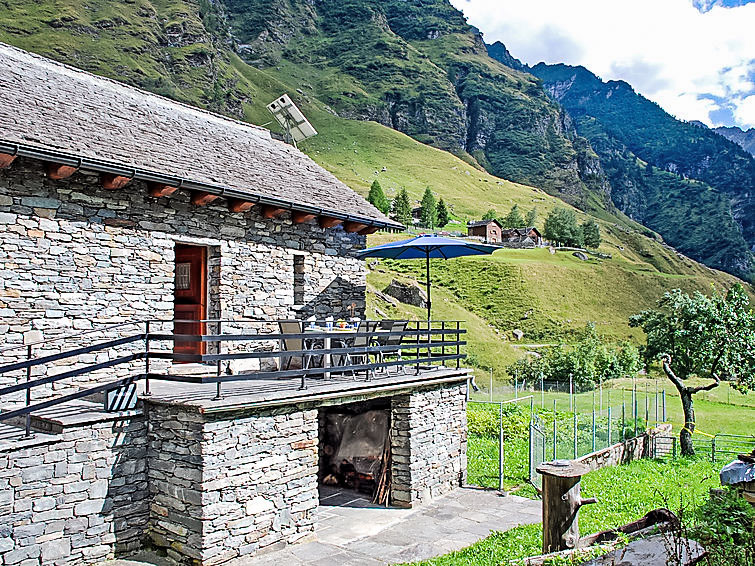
561, 227
428, 210
377, 198
513, 219
699, 336
531, 218
402, 208
591, 233
442, 210
491, 214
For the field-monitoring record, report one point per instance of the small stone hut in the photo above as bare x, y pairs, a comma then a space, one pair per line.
488, 230
117, 205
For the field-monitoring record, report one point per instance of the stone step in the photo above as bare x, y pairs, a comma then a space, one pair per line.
75, 413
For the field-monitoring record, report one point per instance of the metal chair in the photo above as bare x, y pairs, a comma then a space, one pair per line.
294, 344
392, 340
367, 329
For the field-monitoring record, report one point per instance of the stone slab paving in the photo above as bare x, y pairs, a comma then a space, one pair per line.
365, 535
357, 533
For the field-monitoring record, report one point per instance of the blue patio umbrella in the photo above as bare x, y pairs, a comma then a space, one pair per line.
425, 247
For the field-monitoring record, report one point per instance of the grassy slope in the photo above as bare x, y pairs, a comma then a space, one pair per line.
545, 295
624, 493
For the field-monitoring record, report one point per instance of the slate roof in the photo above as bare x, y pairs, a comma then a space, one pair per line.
51, 106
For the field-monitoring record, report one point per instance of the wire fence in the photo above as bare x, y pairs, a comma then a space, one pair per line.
509, 439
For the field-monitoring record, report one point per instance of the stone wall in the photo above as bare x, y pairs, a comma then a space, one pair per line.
641, 446
429, 443
74, 498
224, 488
76, 256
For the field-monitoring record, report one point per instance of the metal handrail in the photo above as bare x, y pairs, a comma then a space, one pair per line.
434, 351
76, 335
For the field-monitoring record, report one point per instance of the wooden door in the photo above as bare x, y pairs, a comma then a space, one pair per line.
190, 296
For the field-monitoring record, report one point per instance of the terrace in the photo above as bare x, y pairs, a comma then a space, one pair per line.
230, 364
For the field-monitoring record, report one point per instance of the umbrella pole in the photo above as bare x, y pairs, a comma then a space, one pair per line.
427, 269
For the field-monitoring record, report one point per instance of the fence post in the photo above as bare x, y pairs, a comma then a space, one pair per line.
542, 391
713, 449
28, 392
663, 399
443, 341
532, 441
571, 392
575, 435
555, 432
609, 426
147, 328
218, 393
500, 447
458, 346
593, 429
623, 422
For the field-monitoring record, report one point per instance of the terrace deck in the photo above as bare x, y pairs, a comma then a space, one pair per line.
271, 392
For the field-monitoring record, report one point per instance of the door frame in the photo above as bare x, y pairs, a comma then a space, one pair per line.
200, 328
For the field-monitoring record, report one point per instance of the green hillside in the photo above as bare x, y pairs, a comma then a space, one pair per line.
178, 48
684, 181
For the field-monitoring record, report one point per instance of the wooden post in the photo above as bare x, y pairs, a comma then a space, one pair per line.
561, 503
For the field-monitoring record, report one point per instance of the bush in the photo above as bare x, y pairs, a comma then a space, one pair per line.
588, 361
725, 529
484, 420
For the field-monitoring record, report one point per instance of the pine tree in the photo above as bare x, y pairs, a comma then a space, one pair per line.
402, 208
591, 233
443, 217
531, 218
561, 227
428, 210
513, 219
377, 198
491, 214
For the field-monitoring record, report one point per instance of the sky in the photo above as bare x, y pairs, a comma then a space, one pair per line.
696, 58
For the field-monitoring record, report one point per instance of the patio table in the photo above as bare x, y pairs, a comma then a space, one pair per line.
327, 361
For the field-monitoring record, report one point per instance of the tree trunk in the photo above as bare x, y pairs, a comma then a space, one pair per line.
685, 436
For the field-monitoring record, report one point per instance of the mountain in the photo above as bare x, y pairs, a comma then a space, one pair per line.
744, 138
189, 51
414, 66
688, 183
418, 67
500, 53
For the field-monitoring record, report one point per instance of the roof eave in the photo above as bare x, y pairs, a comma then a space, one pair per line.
106, 166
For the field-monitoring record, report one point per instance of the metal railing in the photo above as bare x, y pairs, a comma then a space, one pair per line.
419, 345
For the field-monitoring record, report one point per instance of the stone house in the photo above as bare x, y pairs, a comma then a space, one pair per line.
488, 230
119, 207
521, 237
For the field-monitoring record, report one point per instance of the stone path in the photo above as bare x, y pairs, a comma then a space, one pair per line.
356, 533
360, 534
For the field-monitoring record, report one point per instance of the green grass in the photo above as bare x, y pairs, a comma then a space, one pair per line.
625, 493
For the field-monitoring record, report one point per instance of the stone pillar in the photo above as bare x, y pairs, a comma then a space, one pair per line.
428, 442
175, 479
227, 486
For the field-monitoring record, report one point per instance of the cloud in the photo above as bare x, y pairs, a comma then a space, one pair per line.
696, 58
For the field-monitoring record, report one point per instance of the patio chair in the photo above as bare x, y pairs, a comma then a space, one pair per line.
368, 329
294, 344
392, 340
